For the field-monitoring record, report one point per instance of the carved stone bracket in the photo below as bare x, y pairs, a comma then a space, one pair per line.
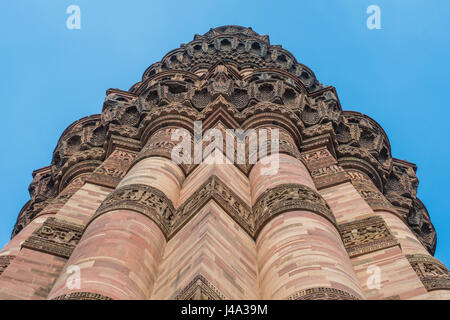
200, 289
56, 237
82, 296
289, 197
322, 294
433, 274
5, 261
366, 235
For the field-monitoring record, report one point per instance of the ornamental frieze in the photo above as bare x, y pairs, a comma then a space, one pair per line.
113, 169
82, 296
366, 235
55, 237
155, 205
350, 157
322, 294
215, 189
289, 197
323, 168
317, 159
141, 198
433, 274
200, 289
368, 191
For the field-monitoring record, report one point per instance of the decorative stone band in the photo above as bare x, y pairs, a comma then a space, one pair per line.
57, 203
82, 296
366, 235
362, 160
164, 148
369, 192
322, 294
319, 158
200, 289
433, 274
55, 237
5, 261
324, 168
329, 176
155, 205
143, 199
214, 188
289, 197
113, 169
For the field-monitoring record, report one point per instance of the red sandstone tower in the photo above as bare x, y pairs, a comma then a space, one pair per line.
339, 218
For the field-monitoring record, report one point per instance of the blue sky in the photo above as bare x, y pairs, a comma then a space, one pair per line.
399, 75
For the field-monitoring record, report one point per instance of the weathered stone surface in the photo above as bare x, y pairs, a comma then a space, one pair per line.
141, 226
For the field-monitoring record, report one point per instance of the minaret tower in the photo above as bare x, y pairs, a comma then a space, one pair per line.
325, 213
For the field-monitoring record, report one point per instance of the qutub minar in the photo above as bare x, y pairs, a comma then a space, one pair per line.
339, 213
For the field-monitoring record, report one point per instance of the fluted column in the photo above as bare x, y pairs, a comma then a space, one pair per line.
119, 252
42, 248
300, 252
211, 253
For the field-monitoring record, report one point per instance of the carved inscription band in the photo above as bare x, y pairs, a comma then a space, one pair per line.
433, 274
200, 289
155, 205
215, 189
56, 237
289, 197
141, 198
369, 192
366, 235
82, 296
5, 261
